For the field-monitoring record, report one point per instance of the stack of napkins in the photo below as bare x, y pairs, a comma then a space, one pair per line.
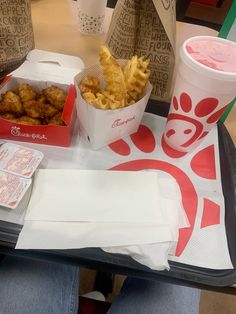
128, 212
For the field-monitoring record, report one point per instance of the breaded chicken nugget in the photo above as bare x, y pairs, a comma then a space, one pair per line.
11, 103
29, 120
8, 116
33, 108
49, 111
55, 96
41, 98
56, 120
26, 92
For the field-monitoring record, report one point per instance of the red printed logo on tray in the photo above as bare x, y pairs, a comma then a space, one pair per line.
202, 164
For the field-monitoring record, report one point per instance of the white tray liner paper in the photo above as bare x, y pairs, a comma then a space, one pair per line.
207, 246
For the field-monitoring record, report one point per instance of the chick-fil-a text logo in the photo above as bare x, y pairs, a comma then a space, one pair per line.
120, 122
15, 131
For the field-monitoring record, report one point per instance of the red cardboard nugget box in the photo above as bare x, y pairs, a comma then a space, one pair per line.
42, 69
41, 134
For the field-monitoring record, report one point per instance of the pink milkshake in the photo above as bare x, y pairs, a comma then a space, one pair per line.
217, 55
205, 85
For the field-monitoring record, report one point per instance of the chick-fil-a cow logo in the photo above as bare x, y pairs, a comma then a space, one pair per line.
15, 131
120, 122
188, 124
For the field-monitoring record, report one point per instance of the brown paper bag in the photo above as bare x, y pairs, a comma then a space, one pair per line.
147, 28
16, 34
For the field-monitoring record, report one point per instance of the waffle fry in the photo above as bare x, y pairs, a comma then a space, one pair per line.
113, 74
123, 87
112, 102
95, 100
136, 74
90, 84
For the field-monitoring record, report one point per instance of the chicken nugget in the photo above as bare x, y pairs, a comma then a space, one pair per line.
34, 109
29, 120
49, 111
11, 103
41, 98
2, 108
26, 92
8, 116
44, 121
56, 120
56, 96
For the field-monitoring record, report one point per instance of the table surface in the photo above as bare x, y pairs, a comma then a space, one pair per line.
56, 29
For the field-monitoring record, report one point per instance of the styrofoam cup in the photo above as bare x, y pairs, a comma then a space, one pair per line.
201, 93
91, 16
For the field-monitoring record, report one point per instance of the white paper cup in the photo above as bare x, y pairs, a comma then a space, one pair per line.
201, 95
102, 127
91, 16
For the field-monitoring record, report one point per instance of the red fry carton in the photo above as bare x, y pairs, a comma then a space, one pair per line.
40, 73
102, 127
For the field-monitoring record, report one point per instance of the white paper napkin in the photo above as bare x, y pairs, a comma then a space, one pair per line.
155, 255
70, 235
95, 196
148, 241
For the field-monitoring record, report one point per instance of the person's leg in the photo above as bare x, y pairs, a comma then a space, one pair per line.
140, 296
30, 286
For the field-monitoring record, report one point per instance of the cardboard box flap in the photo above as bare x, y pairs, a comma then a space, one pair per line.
49, 66
62, 60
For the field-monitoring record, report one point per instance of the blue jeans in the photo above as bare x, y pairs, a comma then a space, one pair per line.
140, 296
37, 287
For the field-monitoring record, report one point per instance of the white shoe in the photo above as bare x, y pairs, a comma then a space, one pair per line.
95, 295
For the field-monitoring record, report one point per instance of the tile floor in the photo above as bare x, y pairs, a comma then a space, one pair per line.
211, 302
217, 303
